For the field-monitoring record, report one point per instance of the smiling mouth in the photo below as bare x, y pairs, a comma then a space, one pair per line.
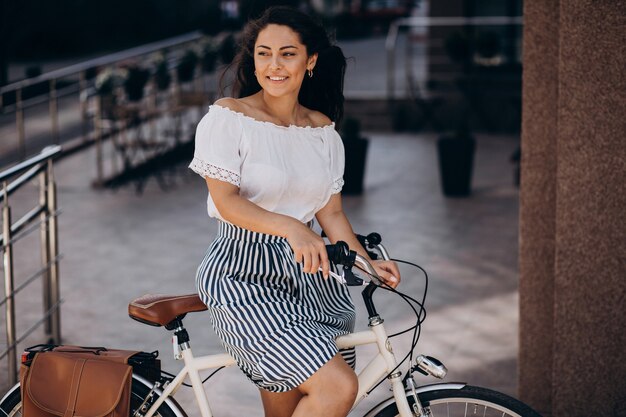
277, 78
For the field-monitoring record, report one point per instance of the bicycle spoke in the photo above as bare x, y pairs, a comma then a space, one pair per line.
469, 402
16, 412
465, 408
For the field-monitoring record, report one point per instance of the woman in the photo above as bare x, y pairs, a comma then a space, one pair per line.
273, 161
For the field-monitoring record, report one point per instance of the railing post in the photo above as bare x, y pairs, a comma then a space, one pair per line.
54, 111
152, 111
45, 250
8, 288
82, 94
390, 46
98, 131
19, 120
54, 257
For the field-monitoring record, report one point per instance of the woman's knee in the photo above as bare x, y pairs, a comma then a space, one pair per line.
340, 389
335, 379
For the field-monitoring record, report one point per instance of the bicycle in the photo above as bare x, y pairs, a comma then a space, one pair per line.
155, 397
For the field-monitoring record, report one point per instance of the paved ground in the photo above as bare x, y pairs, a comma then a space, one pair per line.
118, 245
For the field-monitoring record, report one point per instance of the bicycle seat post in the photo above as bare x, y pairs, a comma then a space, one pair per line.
180, 340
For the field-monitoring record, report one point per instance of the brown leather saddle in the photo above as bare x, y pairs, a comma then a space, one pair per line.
161, 310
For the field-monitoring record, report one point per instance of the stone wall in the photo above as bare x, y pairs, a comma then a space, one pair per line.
573, 204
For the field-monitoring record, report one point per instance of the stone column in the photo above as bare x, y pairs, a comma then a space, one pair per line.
538, 200
572, 208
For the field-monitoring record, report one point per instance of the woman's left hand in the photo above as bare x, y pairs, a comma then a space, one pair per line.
388, 271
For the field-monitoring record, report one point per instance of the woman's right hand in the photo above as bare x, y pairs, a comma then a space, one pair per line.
308, 248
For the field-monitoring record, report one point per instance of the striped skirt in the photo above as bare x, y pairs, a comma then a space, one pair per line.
278, 322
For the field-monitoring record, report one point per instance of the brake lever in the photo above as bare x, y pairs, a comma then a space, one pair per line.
351, 279
337, 277
347, 277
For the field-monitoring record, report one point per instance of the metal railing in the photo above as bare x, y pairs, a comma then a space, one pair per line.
430, 22
43, 217
73, 80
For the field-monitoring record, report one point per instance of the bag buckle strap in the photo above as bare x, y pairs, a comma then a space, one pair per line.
76, 374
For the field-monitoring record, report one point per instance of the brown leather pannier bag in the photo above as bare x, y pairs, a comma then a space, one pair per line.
73, 381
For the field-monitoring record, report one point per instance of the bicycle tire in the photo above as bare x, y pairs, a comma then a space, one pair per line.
467, 401
11, 406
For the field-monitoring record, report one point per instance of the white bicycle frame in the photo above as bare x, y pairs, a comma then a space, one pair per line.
382, 364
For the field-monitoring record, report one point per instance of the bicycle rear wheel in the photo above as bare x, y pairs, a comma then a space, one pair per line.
11, 406
468, 401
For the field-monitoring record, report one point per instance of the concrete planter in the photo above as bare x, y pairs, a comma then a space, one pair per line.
456, 160
354, 174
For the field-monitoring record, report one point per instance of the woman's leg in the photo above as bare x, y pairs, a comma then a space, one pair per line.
330, 392
280, 404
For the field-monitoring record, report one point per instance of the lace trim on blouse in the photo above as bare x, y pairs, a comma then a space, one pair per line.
207, 170
337, 186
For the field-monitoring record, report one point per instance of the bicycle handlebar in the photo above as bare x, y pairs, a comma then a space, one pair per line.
369, 241
362, 263
340, 254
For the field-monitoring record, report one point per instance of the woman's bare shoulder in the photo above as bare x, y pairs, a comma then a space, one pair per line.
317, 118
245, 105
230, 103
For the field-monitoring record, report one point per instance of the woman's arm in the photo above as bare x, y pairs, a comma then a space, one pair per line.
309, 248
337, 227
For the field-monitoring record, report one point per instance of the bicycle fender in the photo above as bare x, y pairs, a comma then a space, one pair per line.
14, 388
424, 388
169, 401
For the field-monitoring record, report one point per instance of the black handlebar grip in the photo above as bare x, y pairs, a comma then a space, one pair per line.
374, 238
370, 240
339, 253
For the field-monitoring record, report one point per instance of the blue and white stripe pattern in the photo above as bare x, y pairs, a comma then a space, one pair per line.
279, 323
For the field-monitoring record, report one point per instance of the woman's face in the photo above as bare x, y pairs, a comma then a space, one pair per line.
281, 60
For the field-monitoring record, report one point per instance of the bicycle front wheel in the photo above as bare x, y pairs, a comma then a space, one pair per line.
468, 401
11, 405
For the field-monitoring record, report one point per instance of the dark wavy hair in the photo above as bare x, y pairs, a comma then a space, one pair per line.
322, 92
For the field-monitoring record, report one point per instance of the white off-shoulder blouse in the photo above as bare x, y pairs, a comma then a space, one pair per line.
289, 170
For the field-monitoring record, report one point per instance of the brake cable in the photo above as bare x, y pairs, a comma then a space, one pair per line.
421, 315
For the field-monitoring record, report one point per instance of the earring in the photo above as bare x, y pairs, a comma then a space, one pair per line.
310, 73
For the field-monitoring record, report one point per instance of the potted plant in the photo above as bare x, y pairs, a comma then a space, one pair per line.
208, 59
136, 80
456, 160
106, 83
356, 153
456, 146
227, 49
458, 47
162, 78
186, 68
455, 151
